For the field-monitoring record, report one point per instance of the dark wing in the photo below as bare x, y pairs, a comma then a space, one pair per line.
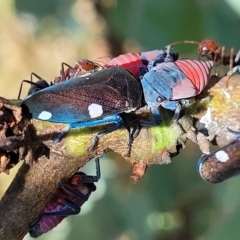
86, 98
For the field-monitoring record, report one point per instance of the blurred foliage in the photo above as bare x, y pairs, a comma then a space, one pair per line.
171, 202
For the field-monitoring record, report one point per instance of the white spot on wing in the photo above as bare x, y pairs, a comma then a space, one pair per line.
95, 110
44, 115
222, 156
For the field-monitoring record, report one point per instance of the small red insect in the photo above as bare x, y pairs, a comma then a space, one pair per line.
217, 53
68, 199
209, 46
80, 67
210, 49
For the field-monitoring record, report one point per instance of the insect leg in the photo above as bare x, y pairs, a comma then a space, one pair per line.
100, 134
77, 193
116, 119
61, 135
174, 106
64, 213
92, 179
156, 119
76, 210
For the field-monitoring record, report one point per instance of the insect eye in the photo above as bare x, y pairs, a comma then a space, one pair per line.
159, 99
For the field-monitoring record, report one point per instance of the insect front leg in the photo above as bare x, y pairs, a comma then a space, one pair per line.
115, 119
100, 134
157, 119
62, 133
173, 106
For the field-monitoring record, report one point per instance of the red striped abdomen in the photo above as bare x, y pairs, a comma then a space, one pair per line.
129, 61
196, 71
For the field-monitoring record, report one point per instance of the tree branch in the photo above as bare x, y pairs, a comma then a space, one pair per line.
46, 163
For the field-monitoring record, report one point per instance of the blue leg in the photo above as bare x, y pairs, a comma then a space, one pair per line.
171, 105
100, 134
174, 106
116, 119
156, 119
92, 179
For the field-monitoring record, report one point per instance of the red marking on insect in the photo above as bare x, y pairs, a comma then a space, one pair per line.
134, 61
68, 199
129, 61
196, 71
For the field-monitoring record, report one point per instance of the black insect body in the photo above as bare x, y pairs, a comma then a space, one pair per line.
86, 101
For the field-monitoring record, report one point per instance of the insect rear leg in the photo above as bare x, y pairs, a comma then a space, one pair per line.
130, 136
92, 179
73, 191
64, 213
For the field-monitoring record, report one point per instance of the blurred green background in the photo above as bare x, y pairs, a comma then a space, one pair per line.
171, 202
